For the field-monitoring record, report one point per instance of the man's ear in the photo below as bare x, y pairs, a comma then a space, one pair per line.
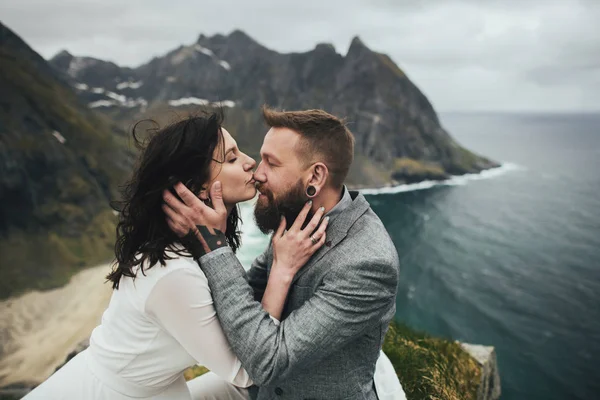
318, 176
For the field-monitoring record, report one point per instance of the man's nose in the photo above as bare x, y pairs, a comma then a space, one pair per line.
259, 175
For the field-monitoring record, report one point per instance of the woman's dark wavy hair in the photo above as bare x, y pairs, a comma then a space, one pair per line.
181, 151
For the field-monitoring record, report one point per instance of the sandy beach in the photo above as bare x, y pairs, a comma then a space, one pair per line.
39, 329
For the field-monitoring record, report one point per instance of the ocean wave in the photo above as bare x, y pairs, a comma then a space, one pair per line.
459, 180
254, 241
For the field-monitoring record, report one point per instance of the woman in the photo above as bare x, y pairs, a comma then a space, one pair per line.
161, 319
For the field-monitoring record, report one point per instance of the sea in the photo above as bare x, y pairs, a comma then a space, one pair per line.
508, 258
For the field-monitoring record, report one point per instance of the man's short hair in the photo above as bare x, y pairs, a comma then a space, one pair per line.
324, 138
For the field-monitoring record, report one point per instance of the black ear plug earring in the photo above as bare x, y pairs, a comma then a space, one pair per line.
311, 191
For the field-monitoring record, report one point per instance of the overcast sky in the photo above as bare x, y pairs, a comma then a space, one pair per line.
521, 55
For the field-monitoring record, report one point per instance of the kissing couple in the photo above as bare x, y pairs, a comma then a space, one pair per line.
306, 321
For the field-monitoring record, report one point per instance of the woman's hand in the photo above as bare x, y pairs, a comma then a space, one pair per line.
293, 248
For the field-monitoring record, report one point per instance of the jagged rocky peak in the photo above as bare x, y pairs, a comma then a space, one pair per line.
73, 66
235, 48
393, 121
360, 59
358, 47
236, 39
217, 39
325, 48
61, 62
62, 55
240, 37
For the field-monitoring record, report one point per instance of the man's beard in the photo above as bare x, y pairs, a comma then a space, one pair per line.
268, 214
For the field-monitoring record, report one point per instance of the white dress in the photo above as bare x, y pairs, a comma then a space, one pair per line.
155, 327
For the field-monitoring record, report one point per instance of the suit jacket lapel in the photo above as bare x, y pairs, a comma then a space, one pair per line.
337, 230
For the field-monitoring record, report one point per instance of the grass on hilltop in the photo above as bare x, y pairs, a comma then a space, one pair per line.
428, 368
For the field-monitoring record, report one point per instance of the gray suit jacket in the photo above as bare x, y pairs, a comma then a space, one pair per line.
335, 318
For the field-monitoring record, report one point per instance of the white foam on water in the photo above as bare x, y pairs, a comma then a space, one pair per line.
98, 90
453, 181
224, 103
254, 242
171, 79
184, 101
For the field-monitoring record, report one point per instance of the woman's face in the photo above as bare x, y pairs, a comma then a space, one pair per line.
234, 171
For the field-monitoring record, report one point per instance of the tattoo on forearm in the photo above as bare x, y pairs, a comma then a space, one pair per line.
193, 244
213, 241
202, 242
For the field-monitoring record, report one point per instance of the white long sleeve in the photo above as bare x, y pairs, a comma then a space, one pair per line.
182, 304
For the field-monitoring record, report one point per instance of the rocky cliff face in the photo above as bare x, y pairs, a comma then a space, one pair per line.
59, 166
489, 388
398, 134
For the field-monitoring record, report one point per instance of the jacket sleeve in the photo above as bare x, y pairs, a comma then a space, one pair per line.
258, 274
350, 299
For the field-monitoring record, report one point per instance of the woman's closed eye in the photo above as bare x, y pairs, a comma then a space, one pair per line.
234, 159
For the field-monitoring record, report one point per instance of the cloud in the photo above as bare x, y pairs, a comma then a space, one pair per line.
464, 54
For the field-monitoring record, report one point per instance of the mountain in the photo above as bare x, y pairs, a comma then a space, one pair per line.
63, 149
60, 164
398, 134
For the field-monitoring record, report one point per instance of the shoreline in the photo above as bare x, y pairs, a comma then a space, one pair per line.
40, 328
453, 180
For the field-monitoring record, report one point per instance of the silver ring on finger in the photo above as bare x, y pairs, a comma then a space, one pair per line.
313, 240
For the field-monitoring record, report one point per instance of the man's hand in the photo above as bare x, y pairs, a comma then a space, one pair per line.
200, 227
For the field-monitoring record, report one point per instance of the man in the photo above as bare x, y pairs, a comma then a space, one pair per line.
340, 303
